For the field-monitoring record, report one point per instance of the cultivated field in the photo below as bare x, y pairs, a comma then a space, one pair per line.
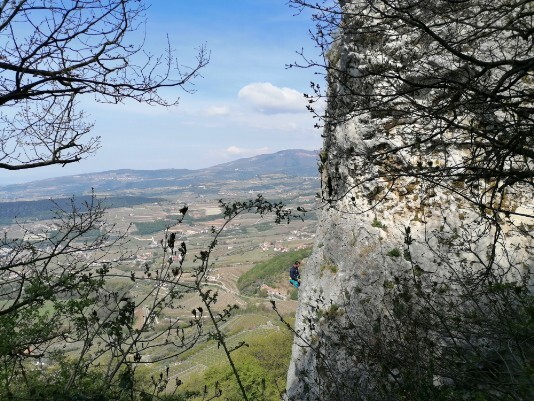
248, 240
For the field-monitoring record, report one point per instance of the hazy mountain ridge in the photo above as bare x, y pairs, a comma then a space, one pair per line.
292, 162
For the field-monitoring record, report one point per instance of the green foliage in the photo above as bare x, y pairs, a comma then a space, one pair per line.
377, 223
394, 253
270, 272
262, 365
151, 227
53, 385
265, 226
331, 312
388, 284
323, 156
331, 267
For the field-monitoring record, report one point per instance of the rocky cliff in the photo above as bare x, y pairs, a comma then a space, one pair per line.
424, 249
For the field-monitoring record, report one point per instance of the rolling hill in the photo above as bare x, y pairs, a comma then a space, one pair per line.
286, 163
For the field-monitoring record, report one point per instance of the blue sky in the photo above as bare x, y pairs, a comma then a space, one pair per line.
247, 102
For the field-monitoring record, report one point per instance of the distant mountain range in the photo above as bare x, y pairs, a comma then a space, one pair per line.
293, 162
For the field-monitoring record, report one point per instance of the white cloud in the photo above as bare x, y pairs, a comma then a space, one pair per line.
244, 152
270, 99
218, 111
234, 150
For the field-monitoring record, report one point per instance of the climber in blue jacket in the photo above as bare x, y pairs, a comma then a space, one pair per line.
294, 275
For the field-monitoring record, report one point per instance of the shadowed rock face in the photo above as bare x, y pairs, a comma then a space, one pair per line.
375, 232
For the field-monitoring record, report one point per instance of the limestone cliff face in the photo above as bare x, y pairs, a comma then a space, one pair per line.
375, 229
